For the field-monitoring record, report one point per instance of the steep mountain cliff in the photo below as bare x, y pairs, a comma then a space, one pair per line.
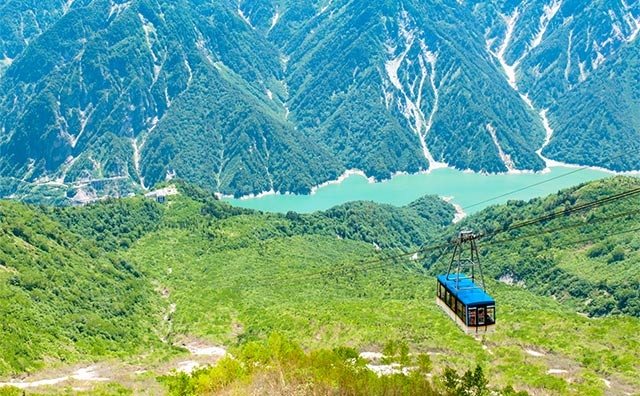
106, 97
574, 63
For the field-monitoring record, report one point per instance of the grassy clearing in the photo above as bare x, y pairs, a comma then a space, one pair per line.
231, 297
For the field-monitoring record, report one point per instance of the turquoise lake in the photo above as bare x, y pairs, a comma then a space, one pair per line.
472, 191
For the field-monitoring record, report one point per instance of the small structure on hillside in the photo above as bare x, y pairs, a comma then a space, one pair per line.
160, 195
462, 296
83, 197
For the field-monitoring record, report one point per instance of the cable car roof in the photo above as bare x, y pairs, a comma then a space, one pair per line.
468, 293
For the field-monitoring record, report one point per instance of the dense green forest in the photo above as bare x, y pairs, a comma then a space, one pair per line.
613, 116
63, 297
152, 277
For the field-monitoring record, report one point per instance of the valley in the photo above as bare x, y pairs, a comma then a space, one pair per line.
255, 197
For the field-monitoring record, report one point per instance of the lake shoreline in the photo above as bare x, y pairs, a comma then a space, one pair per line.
370, 179
471, 191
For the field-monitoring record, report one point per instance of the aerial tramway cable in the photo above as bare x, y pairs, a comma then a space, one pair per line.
576, 225
518, 225
579, 241
382, 261
502, 242
444, 246
569, 210
580, 169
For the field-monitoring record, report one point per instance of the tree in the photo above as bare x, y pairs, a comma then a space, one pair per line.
424, 363
472, 383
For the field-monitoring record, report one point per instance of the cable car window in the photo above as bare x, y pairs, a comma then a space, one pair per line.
472, 316
491, 315
481, 316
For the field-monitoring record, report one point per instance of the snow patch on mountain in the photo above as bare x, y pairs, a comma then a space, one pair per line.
431, 59
149, 29
549, 12
506, 158
84, 117
136, 158
597, 61
633, 23
393, 65
188, 67
274, 20
525, 98
410, 100
67, 6
244, 17
567, 69
325, 7
166, 96
549, 133
137, 144
509, 70
83, 374
583, 72
6, 61
116, 9
63, 125
151, 37
206, 350
201, 45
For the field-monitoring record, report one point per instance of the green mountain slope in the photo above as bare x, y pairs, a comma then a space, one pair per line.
198, 269
138, 97
103, 98
21, 22
574, 63
63, 298
589, 266
70, 292
407, 74
612, 114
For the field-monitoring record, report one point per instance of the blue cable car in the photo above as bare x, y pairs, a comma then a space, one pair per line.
459, 295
